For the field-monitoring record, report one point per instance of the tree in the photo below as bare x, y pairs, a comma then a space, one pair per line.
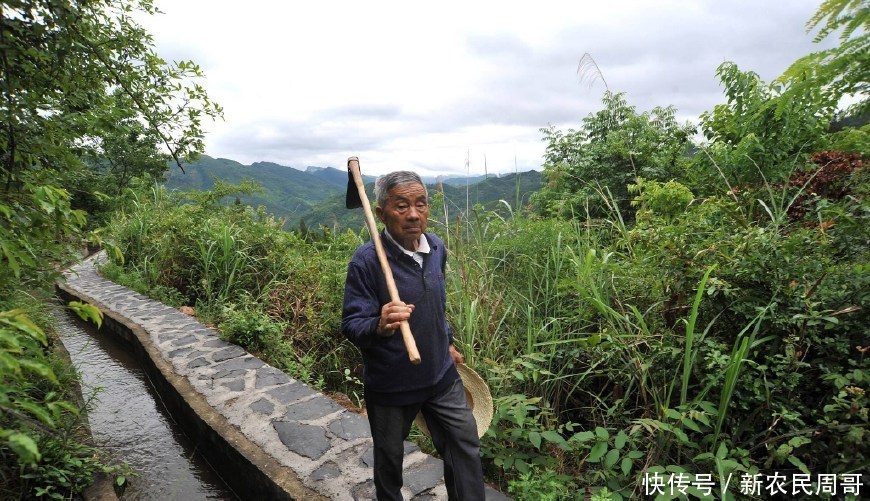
764, 130
127, 148
82, 89
614, 147
843, 70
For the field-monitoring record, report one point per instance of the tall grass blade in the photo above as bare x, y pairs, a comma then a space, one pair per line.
688, 355
732, 373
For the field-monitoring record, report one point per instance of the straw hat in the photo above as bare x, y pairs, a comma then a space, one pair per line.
479, 399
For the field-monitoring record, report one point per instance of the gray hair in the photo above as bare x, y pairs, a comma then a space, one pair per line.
389, 181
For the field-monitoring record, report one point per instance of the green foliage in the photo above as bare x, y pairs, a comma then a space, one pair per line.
222, 257
763, 130
667, 200
850, 15
841, 70
851, 140
125, 150
21, 356
37, 226
40, 426
544, 485
521, 426
68, 467
87, 312
270, 291
84, 95
614, 147
250, 328
145, 285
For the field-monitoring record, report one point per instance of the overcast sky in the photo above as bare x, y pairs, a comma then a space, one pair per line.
431, 86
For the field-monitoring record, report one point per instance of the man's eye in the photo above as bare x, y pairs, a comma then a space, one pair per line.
422, 206
402, 207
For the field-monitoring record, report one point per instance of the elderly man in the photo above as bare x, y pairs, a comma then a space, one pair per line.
396, 390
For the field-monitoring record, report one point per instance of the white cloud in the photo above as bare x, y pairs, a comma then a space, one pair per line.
431, 86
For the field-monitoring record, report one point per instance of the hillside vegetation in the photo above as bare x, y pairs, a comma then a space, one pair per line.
640, 312
314, 198
508, 192
284, 191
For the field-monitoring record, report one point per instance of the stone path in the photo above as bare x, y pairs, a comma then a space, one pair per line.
327, 447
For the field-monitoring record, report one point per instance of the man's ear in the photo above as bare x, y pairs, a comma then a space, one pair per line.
380, 213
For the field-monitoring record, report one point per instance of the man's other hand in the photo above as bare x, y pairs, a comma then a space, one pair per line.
457, 357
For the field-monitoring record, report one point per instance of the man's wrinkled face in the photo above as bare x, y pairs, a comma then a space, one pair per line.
405, 214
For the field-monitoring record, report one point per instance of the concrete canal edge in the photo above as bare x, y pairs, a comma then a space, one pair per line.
242, 464
267, 435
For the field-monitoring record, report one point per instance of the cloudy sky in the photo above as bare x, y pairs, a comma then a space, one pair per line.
448, 87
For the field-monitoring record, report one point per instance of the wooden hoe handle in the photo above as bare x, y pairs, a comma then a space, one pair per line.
407, 337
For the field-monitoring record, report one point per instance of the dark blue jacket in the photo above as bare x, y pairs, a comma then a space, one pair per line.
390, 378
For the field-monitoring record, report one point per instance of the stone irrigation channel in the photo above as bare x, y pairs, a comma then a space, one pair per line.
269, 436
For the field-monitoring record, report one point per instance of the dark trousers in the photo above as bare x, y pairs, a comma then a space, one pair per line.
454, 434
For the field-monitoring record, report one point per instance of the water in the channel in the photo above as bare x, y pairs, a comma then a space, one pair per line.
129, 421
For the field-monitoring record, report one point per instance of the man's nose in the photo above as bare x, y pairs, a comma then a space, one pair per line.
413, 213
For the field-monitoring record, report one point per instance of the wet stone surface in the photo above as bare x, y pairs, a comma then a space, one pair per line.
236, 385
263, 406
351, 427
199, 362
311, 409
423, 476
268, 377
326, 446
304, 439
184, 341
328, 470
227, 353
290, 393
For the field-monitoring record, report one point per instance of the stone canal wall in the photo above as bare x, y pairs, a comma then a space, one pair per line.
268, 435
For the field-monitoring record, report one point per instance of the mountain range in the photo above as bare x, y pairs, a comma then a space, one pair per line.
316, 195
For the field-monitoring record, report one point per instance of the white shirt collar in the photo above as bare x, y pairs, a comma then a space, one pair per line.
422, 247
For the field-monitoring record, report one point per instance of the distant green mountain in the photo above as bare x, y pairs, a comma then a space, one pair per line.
466, 180
335, 176
339, 177
317, 195
512, 188
331, 212
287, 192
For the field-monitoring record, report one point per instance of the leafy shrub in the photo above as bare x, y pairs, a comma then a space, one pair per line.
250, 329
271, 291
762, 131
614, 146
667, 200
22, 357
543, 485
